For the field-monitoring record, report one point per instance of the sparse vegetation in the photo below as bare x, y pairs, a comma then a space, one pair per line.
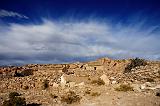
13, 94
89, 78
33, 104
70, 97
98, 82
149, 80
53, 96
158, 93
135, 63
124, 87
68, 81
65, 69
26, 87
159, 72
88, 91
95, 94
14, 100
45, 84
27, 72
24, 73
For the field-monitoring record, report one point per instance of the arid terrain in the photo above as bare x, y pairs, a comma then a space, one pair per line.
103, 82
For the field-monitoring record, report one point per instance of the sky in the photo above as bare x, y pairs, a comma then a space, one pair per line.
62, 31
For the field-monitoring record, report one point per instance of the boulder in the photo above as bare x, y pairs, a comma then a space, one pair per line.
154, 87
148, 84
72, 84
136, 87
63, 81
105, 79
112, 78
80, 85
55, 85
143, 86
114, 82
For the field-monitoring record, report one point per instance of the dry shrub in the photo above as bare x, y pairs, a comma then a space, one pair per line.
24, 73
158, 93
89, 79
95, 94
98, 82
14, 100
149, 79
45, 84
27, 72
13, 94
26, 87
65, 69
70, 97
33, 104
88, 91
158, 74
135, 63
124, 87
53, 96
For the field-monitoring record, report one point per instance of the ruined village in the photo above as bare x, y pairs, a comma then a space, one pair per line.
103, 82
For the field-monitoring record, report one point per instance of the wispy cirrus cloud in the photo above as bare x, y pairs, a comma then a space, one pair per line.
62, 41
5, 13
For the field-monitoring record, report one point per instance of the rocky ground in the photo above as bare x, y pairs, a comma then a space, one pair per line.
104, 82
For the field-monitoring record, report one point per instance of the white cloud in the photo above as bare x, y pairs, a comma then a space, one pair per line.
5, 13
60, 41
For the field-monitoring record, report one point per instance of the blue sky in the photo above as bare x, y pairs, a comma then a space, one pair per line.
60, 31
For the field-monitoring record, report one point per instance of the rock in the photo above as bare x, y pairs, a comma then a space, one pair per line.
55, 85
25, 87
148, 84
72, 84
80, 85
158, 87
136, 87
155, 87
112, 78
105, 79
63, 81
143, 86
114, 82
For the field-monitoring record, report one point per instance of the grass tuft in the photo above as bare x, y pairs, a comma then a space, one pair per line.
124, 87
70, 97
98, 82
